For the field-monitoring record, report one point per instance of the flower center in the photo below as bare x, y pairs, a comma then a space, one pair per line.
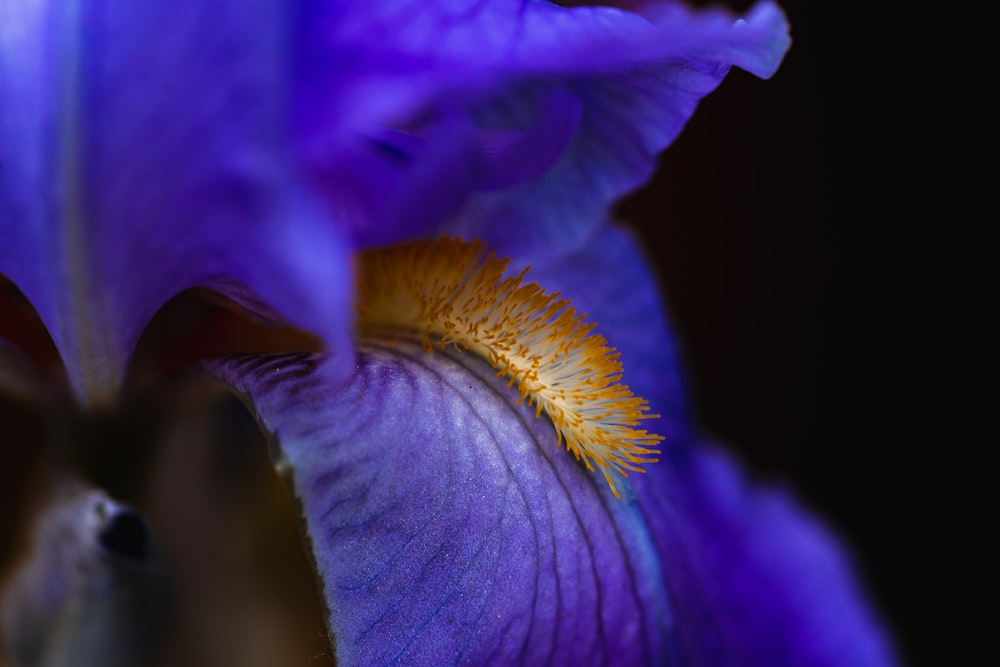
451, 292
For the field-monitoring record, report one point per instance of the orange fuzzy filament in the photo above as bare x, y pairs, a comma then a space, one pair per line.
451, 292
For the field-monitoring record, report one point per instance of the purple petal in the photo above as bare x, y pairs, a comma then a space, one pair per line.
753, 578
447, 523
144, 151
386, 185
449, 527
597, 92
744, 564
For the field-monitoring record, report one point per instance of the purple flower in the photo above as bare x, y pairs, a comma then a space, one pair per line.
268, 151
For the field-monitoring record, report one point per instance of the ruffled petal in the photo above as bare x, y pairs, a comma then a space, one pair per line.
553, 112
448, 525
144, 150
152, 143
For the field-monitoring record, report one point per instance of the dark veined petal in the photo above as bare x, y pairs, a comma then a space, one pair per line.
144, 150
416, 475
448, 525
549, 113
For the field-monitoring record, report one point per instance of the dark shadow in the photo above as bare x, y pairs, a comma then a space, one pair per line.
21, 326
199, 324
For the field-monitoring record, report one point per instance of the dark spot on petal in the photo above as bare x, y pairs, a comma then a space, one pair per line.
126, 535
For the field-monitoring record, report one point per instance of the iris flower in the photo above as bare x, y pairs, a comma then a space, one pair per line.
487, 476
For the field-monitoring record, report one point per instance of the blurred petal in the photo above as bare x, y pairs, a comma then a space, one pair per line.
93, 591
144, 150
147, 149
448, 524
561, 110
753, 578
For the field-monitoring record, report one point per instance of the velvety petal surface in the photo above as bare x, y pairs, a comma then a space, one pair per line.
448, 525
550, 112
144, 150
627, 305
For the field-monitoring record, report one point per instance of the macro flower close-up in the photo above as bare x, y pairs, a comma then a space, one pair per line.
369, 251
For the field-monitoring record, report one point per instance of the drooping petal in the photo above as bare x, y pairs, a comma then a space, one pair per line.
144, 150
565, 108
448, 525
419, 443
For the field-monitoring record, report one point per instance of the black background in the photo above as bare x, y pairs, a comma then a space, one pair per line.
773, 220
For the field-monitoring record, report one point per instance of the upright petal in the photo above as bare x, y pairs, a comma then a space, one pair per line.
553, 112
144, 150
